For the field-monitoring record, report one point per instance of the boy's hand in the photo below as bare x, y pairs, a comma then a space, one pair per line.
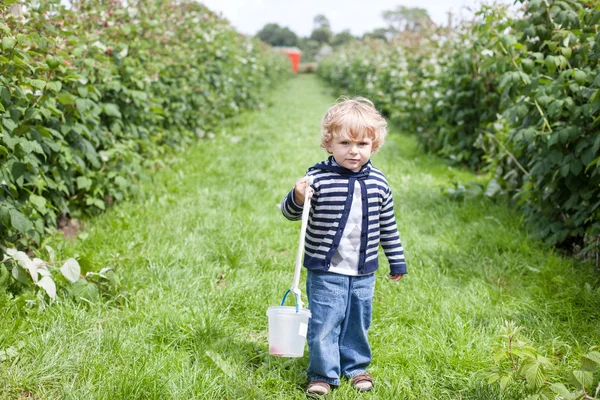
299, 190
396, 277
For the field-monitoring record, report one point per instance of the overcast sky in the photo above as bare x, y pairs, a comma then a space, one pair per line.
360, 16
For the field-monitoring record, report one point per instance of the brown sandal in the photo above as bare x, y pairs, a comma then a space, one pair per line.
318, 388
362, 382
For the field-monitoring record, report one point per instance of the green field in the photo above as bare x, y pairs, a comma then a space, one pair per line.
205, 251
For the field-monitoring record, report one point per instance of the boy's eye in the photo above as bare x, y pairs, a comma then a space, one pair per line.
344, 142
363, 144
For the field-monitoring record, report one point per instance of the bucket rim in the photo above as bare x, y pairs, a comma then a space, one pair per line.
287, 310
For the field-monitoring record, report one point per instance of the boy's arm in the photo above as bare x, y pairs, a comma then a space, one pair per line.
390, 238
293, 204
289, 208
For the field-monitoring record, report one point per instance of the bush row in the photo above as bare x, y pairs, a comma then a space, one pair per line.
94, 94
518, 96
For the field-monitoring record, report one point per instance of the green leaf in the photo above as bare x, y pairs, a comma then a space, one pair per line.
31, 147
493, 188
5, 94
587, 156
596, 145
82, 289
564, 170
139, 95
4, 278
83, 91
576, 166
121, 182
31, 114
66, 98
504, 381
551, 63
19, 221
580, 77
17, 170
99, 203
71, 270
27, 264
590, 165
527, 65
534, 374
593, 356
566, 51
55, 86
81, 104
84, 183
575, 88
5, 215
585, 378
112, 277
38, 83
111, 110
8, 42
560, 389
39, 202
9, 124
20, 275
52, 62
590, 361
85, 264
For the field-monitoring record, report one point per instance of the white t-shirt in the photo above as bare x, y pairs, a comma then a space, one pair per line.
345, 259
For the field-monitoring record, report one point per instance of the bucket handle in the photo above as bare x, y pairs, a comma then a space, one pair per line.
305, 211
297, 299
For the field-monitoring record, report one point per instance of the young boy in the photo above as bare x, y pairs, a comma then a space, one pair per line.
352, 211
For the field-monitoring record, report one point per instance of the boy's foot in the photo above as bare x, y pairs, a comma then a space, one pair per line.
318, 388
362, 382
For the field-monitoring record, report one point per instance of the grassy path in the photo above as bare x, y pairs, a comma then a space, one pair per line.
206, 252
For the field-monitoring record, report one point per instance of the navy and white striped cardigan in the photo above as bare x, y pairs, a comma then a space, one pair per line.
330, 207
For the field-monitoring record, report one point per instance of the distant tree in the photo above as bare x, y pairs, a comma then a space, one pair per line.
341, 38
411, 19
322, 30
321, 35
276, 35
379, 33
321, 21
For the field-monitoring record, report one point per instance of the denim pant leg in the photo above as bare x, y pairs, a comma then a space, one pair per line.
355, 352
327, 298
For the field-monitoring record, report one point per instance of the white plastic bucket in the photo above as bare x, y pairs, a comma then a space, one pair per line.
287, 331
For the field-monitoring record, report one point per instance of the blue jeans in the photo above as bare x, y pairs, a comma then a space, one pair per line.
340, 309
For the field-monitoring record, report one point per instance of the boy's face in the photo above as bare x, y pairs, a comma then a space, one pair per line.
349, 153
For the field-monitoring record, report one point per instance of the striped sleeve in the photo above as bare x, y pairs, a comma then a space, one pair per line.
290, 209
390, 238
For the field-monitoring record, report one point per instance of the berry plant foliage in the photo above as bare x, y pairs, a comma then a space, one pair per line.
94, 94
515, 95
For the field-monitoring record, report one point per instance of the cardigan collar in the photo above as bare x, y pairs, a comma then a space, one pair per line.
331, 165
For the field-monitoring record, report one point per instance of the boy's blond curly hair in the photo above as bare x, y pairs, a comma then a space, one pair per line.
353, 118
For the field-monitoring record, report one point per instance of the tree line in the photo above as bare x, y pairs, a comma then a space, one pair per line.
322, 39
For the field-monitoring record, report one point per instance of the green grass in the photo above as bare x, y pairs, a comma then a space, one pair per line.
182, 332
